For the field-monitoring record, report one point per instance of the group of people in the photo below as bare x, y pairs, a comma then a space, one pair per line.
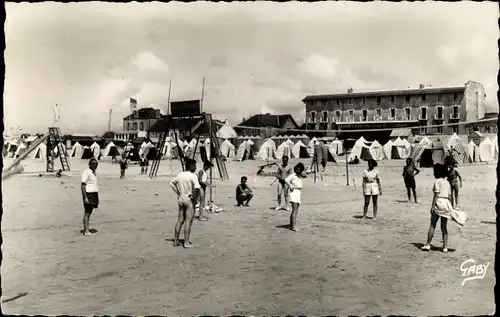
191, 185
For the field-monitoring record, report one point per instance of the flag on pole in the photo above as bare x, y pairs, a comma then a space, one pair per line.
133, 104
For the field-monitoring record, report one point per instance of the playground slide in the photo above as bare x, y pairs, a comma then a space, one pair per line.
32, 147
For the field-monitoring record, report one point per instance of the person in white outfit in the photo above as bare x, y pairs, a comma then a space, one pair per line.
371, 187
187, 188
294, 184
90, 194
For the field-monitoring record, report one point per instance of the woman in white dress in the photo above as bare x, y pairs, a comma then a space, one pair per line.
295, 191
371, 187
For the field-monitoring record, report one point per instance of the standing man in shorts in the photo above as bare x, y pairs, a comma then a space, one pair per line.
409, 173
187, 188
282, 173
89, 194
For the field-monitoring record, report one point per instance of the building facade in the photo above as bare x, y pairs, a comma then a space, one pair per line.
138, 123
265, 125
409, 108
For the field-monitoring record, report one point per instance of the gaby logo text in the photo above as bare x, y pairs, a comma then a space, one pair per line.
472, 271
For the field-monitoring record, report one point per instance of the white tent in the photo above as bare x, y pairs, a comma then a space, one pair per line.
299, 150
335, 147
357, 149
486, 150
473, 152
96, 150
495, 147
460, 148
226, 132
227, 149
207, 147
267, 149
110, 150
21, 148
170, 150
388, 149
283, 149
313, 142
400, 149
377, 151
76, 150
245, 151
419, 148
40, 152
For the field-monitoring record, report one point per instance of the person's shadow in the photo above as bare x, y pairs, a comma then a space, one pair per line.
91, 231
287, 226
361, 217
433, 248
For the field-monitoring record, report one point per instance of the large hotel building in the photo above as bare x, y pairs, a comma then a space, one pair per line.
409, 108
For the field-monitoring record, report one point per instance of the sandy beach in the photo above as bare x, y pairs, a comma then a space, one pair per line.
245, 262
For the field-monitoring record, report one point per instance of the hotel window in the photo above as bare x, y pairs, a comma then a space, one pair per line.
454, 112
379, 100
134, 126
392, 99
440, 97
393, 112
351, 113
363, 100
350, 101
338, 102
487, 129
128, 126
313, 116
423, 113
439, 114
365, 114
324, 116
424, 98
439, 129
337, 114
408, 113
378, 112
407, 98
324, 102
141, 126
455, 96
454, 128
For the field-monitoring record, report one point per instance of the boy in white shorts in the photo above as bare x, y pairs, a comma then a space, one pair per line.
371, 187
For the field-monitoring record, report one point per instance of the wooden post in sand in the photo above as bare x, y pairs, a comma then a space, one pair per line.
346, 163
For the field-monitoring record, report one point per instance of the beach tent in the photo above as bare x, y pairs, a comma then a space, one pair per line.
486, 150
387, 148
227, 149
400, 149
245, 151
299, 150
20, 149
76, 150
357, 150
419, 148
96, 150
313, 142
495, 147
376, 151
267, 149
110, 150
87, 153
325, 152
170, 150
473, 152
459, 152
283, 149
226, 132
40, 152
336, 147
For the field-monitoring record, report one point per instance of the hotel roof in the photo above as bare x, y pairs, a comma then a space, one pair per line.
414, 91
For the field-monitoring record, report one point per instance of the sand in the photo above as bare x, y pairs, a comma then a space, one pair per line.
244, 262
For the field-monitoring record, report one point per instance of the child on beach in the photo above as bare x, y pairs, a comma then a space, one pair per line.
243, 193
89, 194
123, 165
409, 173
282, 173
187, 188
294, 183
371, 187
144, 164
203, 180
453, 178
441, 207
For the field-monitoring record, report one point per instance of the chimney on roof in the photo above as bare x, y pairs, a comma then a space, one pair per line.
421, 86
349, 91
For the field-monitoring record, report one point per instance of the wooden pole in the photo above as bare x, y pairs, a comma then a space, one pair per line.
346, 164
168, 102
202, 94
210, 135
109, 120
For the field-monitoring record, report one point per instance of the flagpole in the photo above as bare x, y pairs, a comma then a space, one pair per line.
202, 94
169, 91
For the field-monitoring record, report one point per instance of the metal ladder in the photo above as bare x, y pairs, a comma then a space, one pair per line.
55, 140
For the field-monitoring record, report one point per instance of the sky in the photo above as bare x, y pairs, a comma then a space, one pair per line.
259, 57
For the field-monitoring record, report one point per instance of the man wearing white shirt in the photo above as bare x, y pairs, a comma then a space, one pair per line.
89, 194
187, 188
204, 183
